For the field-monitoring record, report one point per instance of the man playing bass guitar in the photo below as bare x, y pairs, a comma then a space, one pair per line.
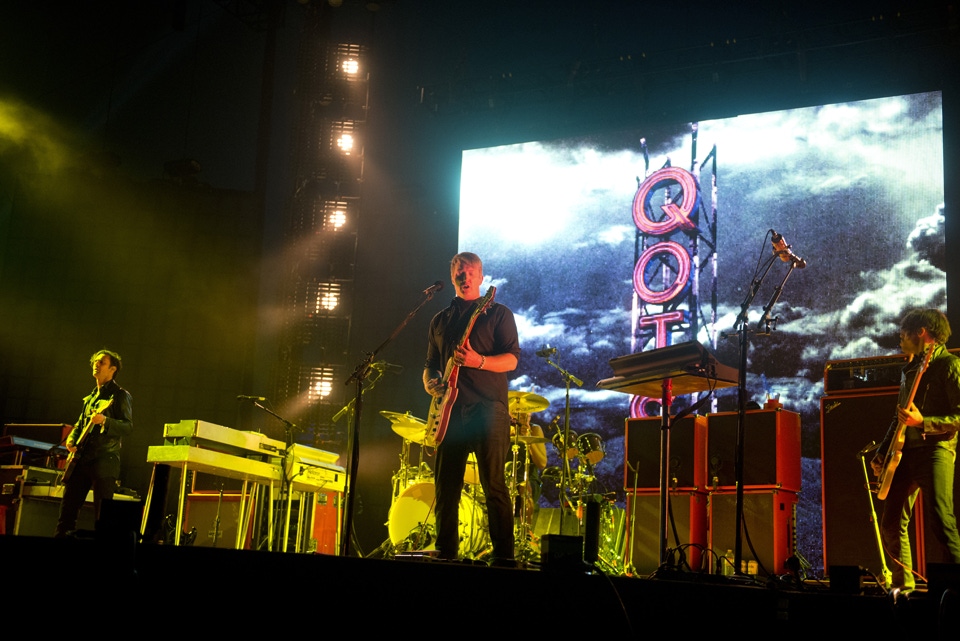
94, 443
929, 446
479, 420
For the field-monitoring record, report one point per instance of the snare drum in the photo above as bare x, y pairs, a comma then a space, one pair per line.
412, 521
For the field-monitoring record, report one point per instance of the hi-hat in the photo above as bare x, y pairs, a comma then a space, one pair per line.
406, 425
527, 403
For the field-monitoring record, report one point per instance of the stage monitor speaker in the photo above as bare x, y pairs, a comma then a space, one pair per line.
688, 461
686, 529
770, 519
771, 450
847, 424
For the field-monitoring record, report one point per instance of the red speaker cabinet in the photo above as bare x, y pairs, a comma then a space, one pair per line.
326, 523
688, 455
686, 529
770, 518
771, 450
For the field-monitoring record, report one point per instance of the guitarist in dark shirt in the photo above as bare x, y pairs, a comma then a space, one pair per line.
479, 420
94, 442
929, 447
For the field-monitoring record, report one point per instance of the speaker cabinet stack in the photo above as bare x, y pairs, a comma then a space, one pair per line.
702, 487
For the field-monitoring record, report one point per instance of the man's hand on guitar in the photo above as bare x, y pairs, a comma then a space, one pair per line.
464, 356
97, 419
877, 465
434, 387
910, 416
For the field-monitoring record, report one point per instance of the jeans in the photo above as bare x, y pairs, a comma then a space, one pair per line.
931, 470
482, 428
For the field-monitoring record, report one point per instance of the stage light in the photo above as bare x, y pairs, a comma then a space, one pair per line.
345, 143
321, 383
328, 297
336, 219
350, 67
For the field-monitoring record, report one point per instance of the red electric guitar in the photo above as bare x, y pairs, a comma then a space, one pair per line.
895, 451
440, 406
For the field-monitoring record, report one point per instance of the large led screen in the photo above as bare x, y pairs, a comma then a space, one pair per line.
609, 244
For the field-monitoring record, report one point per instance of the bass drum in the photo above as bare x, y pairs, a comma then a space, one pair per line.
412, 522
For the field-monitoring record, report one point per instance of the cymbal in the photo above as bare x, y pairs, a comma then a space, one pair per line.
406, 425
527, 403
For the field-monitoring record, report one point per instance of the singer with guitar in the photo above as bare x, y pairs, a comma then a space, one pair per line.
475, 358
94, 442
920, 447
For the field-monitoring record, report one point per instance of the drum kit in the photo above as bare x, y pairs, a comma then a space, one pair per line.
411, 521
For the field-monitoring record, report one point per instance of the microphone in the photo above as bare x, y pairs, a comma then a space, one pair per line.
384, 366
782, 249
546, 351
244, 397
433, 289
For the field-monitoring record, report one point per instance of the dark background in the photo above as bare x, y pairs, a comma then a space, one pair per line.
99, 249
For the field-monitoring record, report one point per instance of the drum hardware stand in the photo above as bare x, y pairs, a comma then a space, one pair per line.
522, 530
862, 455
355, 407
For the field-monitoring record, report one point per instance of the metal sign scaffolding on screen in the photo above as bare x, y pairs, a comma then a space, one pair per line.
676, 241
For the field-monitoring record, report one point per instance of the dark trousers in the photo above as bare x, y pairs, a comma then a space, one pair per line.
100, 474
929, 469
483, 429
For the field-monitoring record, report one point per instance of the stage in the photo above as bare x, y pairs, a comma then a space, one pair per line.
188, 590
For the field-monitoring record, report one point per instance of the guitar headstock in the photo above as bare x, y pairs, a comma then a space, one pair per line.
487, 300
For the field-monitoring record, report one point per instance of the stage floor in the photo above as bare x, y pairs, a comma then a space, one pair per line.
203, 589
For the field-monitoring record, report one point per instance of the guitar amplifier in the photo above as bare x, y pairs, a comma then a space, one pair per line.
857, 375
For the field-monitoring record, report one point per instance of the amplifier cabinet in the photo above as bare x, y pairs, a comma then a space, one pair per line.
771, 450
770, 518
686, 529
848, 423
687, 461
215, 516
327, 521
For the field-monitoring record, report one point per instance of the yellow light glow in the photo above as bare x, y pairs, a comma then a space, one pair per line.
345, 142
327, 301
350, 67
322, 388
337, 219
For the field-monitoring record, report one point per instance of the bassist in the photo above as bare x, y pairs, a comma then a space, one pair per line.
95, 452
929, 447
479, 420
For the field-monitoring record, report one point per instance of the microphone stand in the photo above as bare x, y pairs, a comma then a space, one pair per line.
355, 407
288, 431
565, 470
763, 329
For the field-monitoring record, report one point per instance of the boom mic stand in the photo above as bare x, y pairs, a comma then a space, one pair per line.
360, 374
763, 329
